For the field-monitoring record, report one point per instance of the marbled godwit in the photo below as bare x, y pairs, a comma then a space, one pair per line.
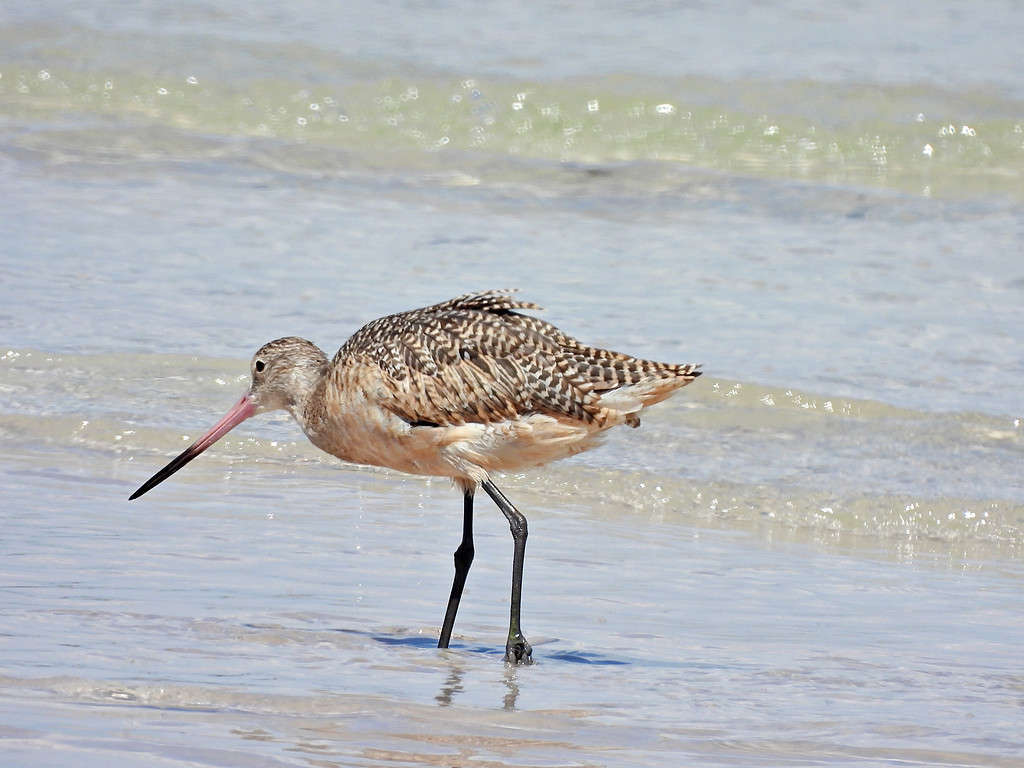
459, 389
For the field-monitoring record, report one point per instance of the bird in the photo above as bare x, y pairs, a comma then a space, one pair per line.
461, 389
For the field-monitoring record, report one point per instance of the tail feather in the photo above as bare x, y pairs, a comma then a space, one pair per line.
623, 403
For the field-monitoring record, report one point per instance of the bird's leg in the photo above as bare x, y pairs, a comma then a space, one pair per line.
517, 650
463, 559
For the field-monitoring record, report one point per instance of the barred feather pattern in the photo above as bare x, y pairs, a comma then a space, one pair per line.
476, 359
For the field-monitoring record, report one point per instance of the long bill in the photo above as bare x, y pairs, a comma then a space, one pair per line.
241, 411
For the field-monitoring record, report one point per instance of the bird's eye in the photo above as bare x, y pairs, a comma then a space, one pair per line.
260, 365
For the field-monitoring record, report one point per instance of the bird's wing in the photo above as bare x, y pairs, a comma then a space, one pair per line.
474, 359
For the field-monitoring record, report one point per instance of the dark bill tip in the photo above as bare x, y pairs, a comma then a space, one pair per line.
177, 463
241, 411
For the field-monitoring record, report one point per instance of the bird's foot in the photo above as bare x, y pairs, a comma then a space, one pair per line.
518, 650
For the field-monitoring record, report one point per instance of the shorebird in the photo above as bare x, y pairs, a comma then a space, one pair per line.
460, 389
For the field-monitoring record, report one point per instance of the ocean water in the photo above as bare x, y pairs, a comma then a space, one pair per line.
813, 555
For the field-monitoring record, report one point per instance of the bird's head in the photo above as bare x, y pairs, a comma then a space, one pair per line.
284, 374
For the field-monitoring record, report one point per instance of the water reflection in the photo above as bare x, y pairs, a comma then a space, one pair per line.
512, 688
452, 685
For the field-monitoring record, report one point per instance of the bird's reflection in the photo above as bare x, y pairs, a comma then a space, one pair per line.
512, 688
453, 686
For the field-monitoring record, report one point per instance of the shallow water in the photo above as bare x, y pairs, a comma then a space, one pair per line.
812, 555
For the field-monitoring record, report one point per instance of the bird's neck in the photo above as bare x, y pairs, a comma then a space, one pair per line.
306, 403
305, 388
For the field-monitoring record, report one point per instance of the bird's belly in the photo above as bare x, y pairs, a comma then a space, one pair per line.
527, 441
464, 451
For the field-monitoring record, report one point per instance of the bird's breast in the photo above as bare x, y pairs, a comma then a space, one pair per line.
358, 429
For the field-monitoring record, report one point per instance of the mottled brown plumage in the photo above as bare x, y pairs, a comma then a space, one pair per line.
475, 359
459, 389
